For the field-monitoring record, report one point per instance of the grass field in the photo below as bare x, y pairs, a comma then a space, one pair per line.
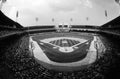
52, 35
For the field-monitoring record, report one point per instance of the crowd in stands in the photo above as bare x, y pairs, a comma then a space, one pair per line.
23, 66
111, 30
20, 65
8, 31
115, 31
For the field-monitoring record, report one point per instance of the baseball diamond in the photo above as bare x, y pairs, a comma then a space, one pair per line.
60, 50
60, 39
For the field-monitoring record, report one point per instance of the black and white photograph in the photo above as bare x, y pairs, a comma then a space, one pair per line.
59, 39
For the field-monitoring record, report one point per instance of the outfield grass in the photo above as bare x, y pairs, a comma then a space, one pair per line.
52, 35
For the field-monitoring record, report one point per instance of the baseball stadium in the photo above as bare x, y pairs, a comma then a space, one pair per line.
32, 47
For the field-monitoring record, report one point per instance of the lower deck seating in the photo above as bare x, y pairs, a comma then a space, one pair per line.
20, 65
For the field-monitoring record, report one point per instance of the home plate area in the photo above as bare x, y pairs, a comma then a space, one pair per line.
64, 52
64, 44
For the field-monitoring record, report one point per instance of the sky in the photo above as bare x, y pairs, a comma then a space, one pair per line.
42, 12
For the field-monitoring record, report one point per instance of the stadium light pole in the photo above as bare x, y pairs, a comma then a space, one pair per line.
106, 14
53, 20
36, 20
71, 20
87, 18
17, 14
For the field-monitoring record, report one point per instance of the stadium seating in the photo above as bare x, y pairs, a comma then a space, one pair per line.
21, 65
17, 63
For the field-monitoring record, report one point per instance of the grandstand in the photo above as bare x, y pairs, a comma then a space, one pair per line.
43, 52
22, 65
112, 27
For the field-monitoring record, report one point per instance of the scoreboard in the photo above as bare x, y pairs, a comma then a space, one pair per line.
63, 28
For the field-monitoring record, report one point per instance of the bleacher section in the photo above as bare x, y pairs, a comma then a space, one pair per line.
112, 27
39, 29
16, 59
20, 65
17, 63
6, 31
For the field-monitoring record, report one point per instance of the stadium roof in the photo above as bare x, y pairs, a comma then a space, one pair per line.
113, 22
5, 21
